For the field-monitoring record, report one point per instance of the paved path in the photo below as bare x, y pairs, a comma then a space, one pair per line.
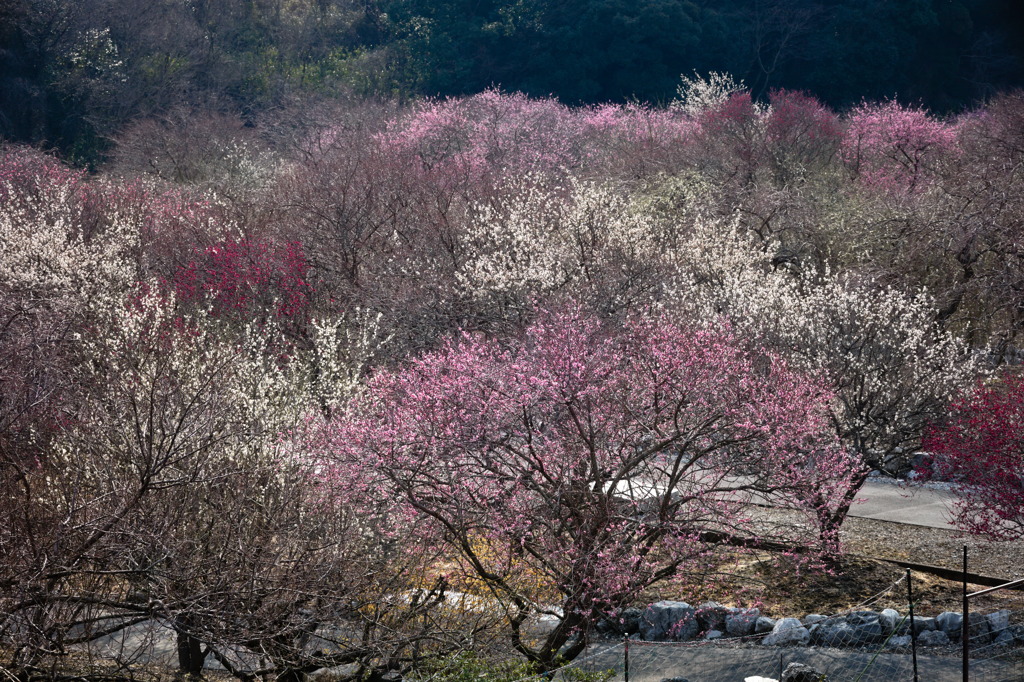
883, 499
734, 664
921, 505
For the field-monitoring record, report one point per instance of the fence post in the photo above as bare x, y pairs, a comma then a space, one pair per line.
625, 658
966, 628
913, 634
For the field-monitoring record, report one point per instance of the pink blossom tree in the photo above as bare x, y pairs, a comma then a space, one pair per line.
801, 135
981, 446
895, 148
488, 135
570, 468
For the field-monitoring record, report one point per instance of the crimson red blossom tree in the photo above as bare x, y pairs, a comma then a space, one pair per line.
981, 446
248, 279
572, 467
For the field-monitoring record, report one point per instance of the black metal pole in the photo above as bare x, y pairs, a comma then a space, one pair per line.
625, 659
913, 633
966, 627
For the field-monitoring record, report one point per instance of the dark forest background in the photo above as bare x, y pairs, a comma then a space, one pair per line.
75, 73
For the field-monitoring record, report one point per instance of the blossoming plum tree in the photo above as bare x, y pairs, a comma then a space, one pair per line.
570, 468
146, 468
894, 148
981, 447
246, 278
893, 369
541, 239
488, 134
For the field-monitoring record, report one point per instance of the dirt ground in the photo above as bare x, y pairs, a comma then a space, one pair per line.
860, 580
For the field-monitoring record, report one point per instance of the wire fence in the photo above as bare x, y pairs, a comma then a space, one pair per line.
857, 644
864, 643
995, 635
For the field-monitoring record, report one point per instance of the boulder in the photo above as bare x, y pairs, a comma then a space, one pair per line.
980, 631
859, 617
1004, 638
713, 634
889, 619
763, 624
741, 622
625, 622
924, 625
933, 638
898, 642
629, 620
801, 672
950, 622
787, 632
868, 632
834, 633
711, 616
669, 621
998, 621
922, 465
812, 619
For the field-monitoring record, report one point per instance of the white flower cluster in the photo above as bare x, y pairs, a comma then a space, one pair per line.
539, 238
97, 52
166, 400
243, 165
893, 368
343, 349
697, 95
44, 258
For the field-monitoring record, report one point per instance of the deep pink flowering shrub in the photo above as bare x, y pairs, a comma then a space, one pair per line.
731, 117
800, 131
247, 278
731, 145
981, 447
489, 134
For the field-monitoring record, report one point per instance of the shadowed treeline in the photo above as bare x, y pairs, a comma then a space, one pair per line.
73, 73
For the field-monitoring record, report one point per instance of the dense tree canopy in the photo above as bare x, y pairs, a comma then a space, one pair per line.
74, 72
518, 259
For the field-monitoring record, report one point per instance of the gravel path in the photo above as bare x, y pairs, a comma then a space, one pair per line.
934, 546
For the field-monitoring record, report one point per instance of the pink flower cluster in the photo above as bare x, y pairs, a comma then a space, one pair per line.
981, 448
577, 453
894, 148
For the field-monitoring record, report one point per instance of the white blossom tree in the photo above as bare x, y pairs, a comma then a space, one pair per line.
893, 368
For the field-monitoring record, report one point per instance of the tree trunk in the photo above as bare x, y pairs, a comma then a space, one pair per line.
190, 650
831, 521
